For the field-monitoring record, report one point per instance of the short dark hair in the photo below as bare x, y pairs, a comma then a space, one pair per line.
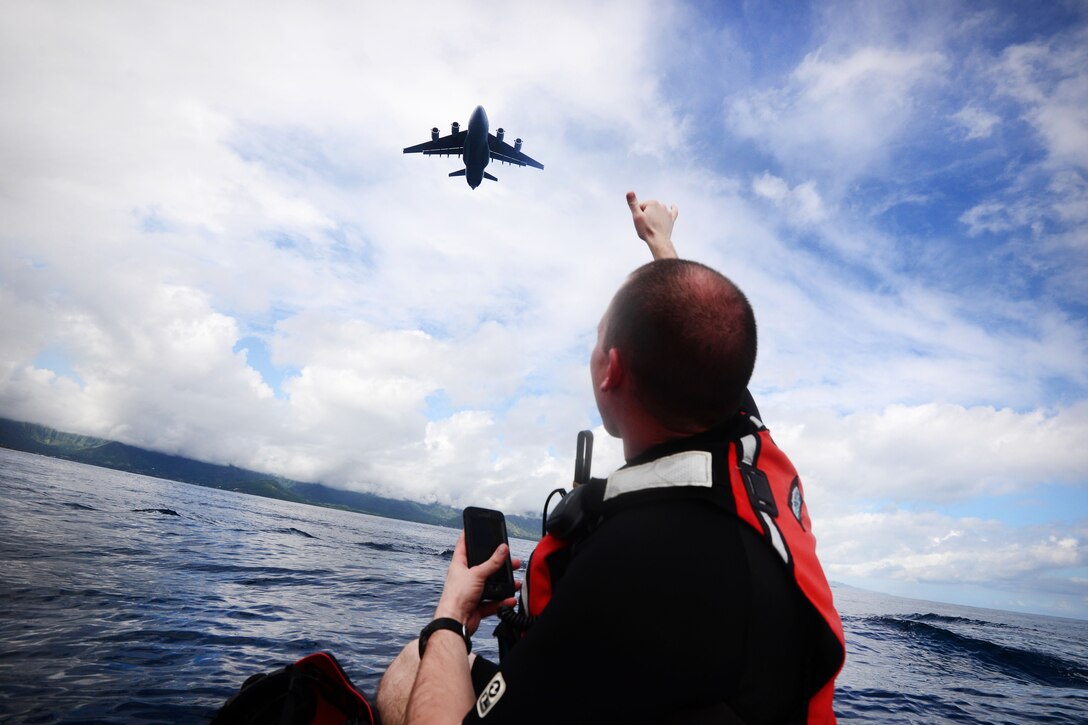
688, 336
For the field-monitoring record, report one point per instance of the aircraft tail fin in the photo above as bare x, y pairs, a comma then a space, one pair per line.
489, 176
459, 172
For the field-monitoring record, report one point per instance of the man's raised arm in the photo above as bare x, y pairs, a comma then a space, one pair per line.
653, 224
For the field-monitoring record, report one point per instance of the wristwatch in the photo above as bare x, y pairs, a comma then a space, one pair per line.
443, 623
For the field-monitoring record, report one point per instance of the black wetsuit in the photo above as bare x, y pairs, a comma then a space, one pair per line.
665, 608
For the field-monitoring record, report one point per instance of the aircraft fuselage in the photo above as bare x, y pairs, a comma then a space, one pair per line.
476, 155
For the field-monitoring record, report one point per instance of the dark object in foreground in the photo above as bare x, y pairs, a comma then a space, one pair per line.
315, 690
476, 146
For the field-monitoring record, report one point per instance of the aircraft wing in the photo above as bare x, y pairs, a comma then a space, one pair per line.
454, 145
502, 151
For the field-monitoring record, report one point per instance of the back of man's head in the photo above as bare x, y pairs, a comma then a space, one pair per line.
688, 337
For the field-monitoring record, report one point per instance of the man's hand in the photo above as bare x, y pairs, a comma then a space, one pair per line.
653, 224
442, 692
464, 586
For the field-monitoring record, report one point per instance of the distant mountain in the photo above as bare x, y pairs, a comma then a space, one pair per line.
45, 441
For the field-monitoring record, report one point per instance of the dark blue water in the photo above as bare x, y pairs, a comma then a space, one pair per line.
131, 599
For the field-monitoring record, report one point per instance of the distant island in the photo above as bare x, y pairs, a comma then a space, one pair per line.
39, 439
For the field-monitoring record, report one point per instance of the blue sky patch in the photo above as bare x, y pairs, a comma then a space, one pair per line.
54, 359
258, 358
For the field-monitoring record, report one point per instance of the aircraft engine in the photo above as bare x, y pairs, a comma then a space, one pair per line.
434, 133
517, 144
456, 127
499, 134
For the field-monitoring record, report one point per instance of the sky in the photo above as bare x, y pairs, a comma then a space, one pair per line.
211, 245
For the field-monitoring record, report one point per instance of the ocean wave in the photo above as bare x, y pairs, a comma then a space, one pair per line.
383, 546
209, 567
306, 579
260, 613
944, 619
879, 705
1019, 664
176, 637
26, 594
398, 548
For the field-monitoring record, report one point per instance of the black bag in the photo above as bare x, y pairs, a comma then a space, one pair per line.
313, 691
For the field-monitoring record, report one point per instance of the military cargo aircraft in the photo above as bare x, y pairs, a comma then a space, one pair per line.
476, 146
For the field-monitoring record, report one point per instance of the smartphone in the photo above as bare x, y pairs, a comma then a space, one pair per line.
485, 529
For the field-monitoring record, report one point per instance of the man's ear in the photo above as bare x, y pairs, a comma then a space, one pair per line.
616, 372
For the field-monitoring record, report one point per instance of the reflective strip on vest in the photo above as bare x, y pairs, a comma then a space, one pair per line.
691, 468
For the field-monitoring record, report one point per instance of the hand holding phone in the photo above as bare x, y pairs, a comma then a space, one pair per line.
485, 529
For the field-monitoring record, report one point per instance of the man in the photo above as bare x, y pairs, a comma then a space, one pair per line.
682, 589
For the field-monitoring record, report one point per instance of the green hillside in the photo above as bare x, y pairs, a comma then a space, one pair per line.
45, 441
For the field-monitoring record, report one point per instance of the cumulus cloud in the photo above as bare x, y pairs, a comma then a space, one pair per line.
930, 547
923, 553
245, 206
934, 452
162, 375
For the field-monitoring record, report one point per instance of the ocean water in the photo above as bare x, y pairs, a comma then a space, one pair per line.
125, 598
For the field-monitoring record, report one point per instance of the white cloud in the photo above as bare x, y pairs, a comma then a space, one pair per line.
929, 547
801, 204
1050, 79
223, 188
157, 370
933, 452
1045, 207
976, 122
838, 114
992, 217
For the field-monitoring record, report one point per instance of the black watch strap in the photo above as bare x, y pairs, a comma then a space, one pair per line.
443, 623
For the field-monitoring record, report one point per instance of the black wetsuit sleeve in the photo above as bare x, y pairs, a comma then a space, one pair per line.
646, 619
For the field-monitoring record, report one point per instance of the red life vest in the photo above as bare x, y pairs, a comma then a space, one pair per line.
313, 691
763, 490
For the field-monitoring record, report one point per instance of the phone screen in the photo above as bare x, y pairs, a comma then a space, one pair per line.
485, 529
